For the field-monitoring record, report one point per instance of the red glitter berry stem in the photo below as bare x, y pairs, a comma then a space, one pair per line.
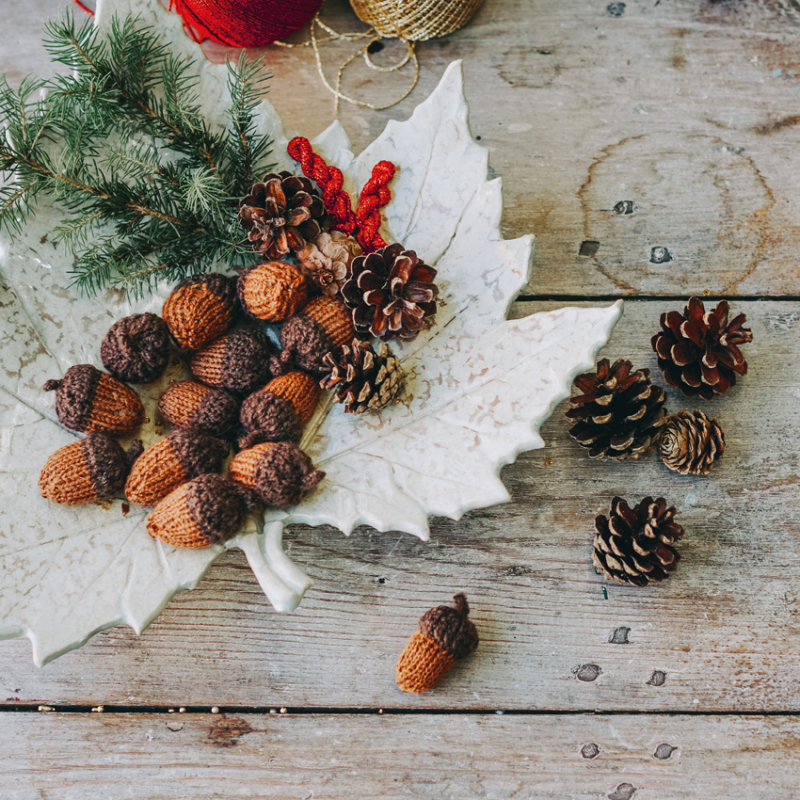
374, 196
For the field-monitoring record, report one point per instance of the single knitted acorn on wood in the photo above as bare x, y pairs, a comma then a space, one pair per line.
273, 291
238, 362
91, 469
191, 405
174, 460
89, 400
280, 410
136, 348
445, 635
200, 308
207, 510
278, 472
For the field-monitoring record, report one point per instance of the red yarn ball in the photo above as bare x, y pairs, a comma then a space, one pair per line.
244, 23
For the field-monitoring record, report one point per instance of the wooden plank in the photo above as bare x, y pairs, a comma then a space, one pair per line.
200, 757
720, 635
687, 111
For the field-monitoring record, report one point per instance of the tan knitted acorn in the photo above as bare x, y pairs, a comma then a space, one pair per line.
272, 291
279, 411
191, 405
238, 362
89, 400
278, 472
174, 460
207, 510
324, 325
93, 468
445, 635
200, 308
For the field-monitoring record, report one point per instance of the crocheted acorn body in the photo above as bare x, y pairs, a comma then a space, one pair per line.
200, 309
178, 458
207, 510
91, 469
272, 291
88, 400
324, 325
278, 472
280, 410
191, 405
136, 348
238, 362
445, 636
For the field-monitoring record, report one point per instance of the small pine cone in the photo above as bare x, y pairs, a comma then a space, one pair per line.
200, 309
272, 291
136, 348
238, 362
277, 472
445, 635
619, 413
91, 469
322, 326
327, 261
362, 379
635, 545
207, 510
191, 405
282, 213
691, 443
279, 411
698, 351
88, 400
392, 293
174, 460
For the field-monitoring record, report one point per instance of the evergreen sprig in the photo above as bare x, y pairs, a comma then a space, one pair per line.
150, 190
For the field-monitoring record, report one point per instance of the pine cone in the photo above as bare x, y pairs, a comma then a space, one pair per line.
698, 352
326, 262
391, 293
619, 413
362, 379
282, 213
691, 443
635, 545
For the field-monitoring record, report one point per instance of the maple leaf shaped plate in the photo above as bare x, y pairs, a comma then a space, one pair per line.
478, 389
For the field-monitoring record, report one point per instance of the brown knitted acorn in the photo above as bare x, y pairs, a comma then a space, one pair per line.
136, 348
445, 635
191, 405
200, 308
177, 458
323, 325
89, 400
207, 510
92, 469
278, 472
279, 411
691, 443
238, 362
272, 291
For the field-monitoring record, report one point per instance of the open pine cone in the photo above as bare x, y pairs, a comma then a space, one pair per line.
691, 443
392, 293
698, 351
620, 412
635, 545
326, 261
282, 213
361, 378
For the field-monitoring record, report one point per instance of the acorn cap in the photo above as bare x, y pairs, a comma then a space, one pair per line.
136, 348
272, 291
265, 417
200, 308
451, 628
191, 405
238, 362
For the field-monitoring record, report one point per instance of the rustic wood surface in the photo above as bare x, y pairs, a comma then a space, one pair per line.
688, 110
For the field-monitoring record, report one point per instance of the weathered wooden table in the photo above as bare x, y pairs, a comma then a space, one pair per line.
689, 110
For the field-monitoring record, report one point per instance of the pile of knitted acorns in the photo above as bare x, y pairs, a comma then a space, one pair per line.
242, 391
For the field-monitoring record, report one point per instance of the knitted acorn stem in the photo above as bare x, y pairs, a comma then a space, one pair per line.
282, 364
311, 480
134, 451
461, 604
51, 386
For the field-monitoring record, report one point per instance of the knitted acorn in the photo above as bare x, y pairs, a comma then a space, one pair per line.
445, 635
136, 348
324, 325
93, 468
278, 472
238, 362
178, 458
207, 510
272, 291
200, 308
90, 400
279, 411
191, 405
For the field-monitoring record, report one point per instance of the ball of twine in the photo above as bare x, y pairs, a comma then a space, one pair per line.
415, 21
